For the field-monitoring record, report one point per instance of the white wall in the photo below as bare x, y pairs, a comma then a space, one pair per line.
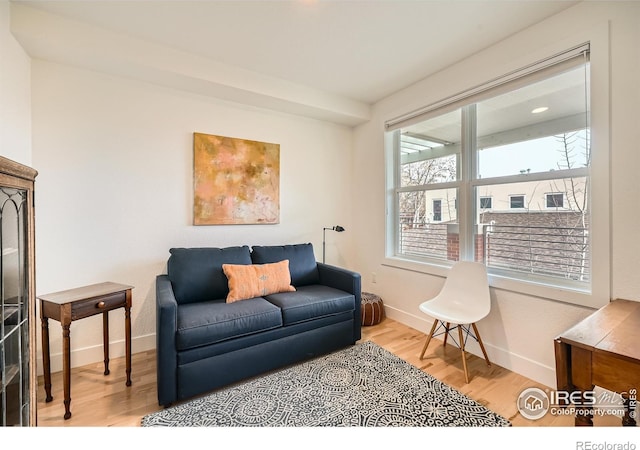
115, 162
15, 94
115, 186
520, 330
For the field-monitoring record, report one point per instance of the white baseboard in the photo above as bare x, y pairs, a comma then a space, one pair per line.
94, 354
502, 357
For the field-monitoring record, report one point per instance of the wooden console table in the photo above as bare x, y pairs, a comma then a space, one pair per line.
602, 350
74, 304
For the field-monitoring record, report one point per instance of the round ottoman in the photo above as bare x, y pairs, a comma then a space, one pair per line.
372, 309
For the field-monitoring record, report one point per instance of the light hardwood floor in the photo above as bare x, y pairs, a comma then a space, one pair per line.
98, 400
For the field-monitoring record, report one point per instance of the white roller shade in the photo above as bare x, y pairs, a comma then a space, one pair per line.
511, 81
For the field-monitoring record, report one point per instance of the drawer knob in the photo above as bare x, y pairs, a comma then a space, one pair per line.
100, 305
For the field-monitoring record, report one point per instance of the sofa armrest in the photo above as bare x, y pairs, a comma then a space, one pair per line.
348, 281
166, 328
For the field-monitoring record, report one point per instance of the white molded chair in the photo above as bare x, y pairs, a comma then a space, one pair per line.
463, 301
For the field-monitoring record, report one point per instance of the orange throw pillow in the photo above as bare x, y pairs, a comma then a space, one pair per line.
257, 280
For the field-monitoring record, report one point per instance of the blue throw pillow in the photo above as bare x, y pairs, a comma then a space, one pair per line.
302, 261
196, 273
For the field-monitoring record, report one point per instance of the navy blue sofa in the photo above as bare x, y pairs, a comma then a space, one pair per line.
203, 343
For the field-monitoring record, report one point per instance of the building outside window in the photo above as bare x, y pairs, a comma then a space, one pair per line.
437, 210
555, 200
465, 157
516, 202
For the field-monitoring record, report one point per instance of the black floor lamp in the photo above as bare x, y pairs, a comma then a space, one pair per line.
337, 228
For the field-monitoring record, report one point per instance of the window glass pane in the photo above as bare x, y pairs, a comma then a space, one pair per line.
516, 201
419, 234
429, 150
485, 202
437, 210
555, 200
429, 171
536, 239
535, 129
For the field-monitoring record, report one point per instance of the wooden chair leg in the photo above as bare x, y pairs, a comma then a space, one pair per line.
426, 344
446, 335
464, 359
484, 352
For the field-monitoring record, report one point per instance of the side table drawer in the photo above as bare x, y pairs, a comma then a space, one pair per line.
96, 305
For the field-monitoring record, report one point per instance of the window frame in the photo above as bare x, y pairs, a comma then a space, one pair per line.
599, 293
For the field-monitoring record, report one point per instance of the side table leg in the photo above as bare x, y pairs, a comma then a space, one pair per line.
46, 358
66, 362
580, 379
584, 418
105, 340
127, 326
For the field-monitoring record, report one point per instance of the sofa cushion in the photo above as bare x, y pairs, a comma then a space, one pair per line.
196, 273
210, 322
302, 261
256, 280
311, 302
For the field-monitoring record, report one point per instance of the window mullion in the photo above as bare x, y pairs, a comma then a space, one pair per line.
528, 178
396, 197
429, 187
467, 166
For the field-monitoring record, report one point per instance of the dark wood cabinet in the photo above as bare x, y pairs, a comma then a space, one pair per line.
17, 295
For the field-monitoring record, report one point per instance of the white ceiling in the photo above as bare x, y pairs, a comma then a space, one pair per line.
353, 51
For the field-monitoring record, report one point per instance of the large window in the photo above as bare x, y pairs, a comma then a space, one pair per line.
500, 175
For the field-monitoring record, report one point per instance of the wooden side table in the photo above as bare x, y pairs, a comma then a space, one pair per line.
74, 304
602, 350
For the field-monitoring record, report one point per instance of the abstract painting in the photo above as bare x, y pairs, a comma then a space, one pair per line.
236, 181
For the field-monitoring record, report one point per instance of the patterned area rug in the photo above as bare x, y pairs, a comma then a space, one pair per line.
361, 386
